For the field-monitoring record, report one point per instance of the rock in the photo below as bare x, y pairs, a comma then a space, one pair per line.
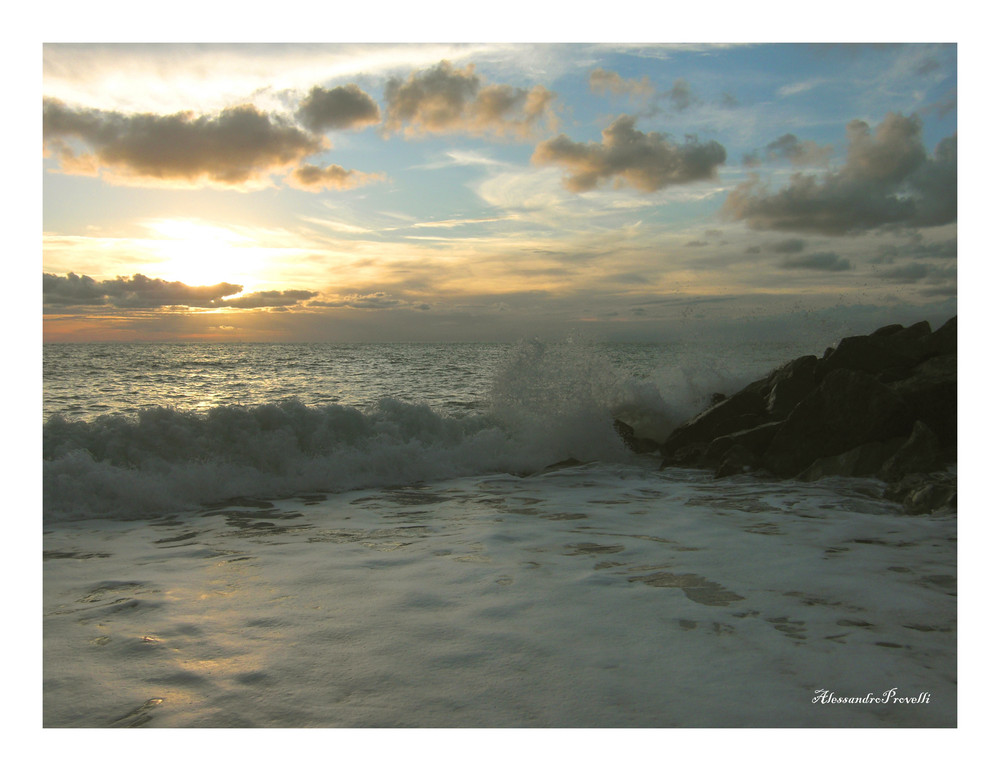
882, 405
737, 460
931, 391
861, 461
849, 408
921, 453
867, 354
925, 493
886, 331
739, 412
789, 384
756, 440
943, 340
637, 444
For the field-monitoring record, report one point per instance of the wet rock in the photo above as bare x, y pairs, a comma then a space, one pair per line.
920, 453
931, 390
881, 405
738, 459
862, 461
790, 384
925, 493
756, 440
746, 409
850, 408
637, 444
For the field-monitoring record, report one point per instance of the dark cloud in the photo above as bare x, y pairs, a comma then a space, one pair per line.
887, 180
310, 177
906, 274
139, 291
946, 249
788, 246
791, 148
681, 97
268, 299
945, 290
135, 292
372, 301
239, 145
629, 278
825, 261
647, 162
443, 99
343, 107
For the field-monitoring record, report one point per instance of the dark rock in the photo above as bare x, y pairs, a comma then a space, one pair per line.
637, 444
921, 453
739, 412
861, 461
569, 462
925, 493
931, 392
883, 405
737, 460
867, 354
850, 408
756, 440
789, 384
944, 340
889, 330
913, 332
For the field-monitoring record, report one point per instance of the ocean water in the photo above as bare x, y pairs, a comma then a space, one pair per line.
132, 430
314, 535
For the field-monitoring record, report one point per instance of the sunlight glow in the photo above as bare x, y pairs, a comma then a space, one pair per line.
200, 254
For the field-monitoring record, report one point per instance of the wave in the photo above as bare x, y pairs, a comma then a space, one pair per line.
548, 402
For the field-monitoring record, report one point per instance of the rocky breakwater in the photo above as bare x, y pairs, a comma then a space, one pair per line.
883, 405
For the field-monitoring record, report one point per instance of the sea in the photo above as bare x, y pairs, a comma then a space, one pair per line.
455, 536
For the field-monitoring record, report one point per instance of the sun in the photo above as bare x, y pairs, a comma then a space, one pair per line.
201, 254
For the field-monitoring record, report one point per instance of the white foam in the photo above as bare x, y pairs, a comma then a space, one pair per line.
597, 596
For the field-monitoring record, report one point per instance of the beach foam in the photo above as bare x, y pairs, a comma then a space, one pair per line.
601, 595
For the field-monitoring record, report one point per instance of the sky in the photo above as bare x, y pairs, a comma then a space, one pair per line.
493, 191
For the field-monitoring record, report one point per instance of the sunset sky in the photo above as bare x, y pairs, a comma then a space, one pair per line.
351, 192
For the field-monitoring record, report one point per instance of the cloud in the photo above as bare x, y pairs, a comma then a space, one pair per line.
789, 147
343, 107
443, 99
887, 180
139, 291
824, 261
788, 246
605, 81
371, 301
310, 177
946, 249
647, 162
135, 292
906, 273
268, 299
681, 97
234, 147
798, 88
